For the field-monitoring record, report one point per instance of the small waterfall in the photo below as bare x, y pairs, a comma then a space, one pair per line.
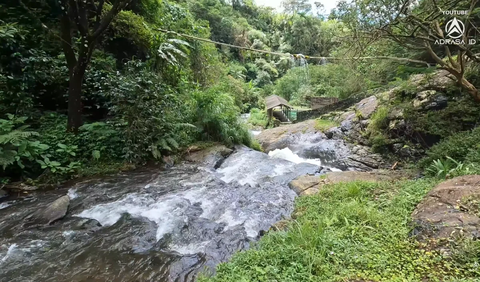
301, 61
323, 61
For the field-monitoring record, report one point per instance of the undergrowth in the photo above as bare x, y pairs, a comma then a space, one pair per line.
463, 146
352, 232
258, 118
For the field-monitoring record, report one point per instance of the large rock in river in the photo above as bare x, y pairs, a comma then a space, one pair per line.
277, 137
56, 210
211, 156
450, 209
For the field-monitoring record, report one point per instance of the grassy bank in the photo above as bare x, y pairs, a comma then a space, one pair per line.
353, 232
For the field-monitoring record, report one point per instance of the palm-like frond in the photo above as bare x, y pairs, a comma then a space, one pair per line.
172, 48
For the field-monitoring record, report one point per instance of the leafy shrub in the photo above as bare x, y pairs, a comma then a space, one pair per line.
460, 146
152, 115
445, 169
289, 85
101, 141
29, 76
472, 72
377, 129
53, 130
460, 115
335, 80
67, 153
258, 117
379, 119
217, 117
17, 143
245, 95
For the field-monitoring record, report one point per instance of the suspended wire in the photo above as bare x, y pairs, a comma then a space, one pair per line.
247, 48
288, 54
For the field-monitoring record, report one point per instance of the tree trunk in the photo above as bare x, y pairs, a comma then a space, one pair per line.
75, 102
470, 88
77, 74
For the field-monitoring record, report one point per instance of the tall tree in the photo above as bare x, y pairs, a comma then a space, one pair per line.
297, 6
87, 19
421, 25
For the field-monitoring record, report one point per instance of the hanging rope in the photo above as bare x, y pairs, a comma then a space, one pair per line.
295, 55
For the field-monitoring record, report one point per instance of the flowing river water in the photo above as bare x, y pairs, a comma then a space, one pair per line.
155, 225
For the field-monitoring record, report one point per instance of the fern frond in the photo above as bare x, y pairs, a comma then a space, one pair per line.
173, 142
163, 145
16, 136
7, 158
155, 152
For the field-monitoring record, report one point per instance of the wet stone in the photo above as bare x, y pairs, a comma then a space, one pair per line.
56, 210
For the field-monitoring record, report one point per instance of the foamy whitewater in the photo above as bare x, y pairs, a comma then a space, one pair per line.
290, 156
152, 225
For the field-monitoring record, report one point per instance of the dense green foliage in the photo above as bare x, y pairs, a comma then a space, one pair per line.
258, 118
331, 80
18, 143
147, 94
463, 146
349, 232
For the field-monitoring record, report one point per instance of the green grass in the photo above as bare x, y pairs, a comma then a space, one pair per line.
352, 232
324, 124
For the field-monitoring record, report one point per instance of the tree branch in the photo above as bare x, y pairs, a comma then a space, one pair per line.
66, 33
98, 13
434, 56
116, 8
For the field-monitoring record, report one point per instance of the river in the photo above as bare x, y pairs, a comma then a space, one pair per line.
151, 224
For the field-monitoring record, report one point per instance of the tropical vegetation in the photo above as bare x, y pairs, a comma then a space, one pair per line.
95, 86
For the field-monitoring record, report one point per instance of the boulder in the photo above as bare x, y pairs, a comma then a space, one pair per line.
439, 80
347, 121
405, 151
350, 176
305, 184
363, 159
451, 209
212, 156
168, 161
310, 184
276, 138
397, 125
366, 107
430, 100
56, 210
437, 102
334, 133
86, 224
395, 113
